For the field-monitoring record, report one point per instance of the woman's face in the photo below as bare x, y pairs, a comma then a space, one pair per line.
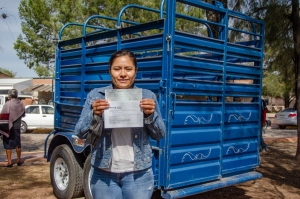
123, 72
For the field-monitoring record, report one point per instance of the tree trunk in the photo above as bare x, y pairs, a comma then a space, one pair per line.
286, 101
296, 38
213, 16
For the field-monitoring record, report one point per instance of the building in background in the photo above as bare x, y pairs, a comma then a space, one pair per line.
41, 90
14, 83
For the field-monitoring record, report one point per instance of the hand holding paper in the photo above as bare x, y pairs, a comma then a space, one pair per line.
148, 106
124, 108
99, 106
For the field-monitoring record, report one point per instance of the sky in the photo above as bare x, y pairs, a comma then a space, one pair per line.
9, 33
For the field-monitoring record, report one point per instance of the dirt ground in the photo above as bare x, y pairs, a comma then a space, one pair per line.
280, 170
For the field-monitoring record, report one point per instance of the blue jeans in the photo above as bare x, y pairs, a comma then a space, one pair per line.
128, 185
263, 145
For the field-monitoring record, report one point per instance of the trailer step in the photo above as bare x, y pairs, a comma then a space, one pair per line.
208, 186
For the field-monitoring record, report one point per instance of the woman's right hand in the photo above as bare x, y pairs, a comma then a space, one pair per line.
99, 105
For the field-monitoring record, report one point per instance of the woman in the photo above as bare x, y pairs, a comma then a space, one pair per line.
16, 111
122, 158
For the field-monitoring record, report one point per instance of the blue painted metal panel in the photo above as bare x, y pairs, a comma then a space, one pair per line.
194, 155
238, 51
198, 43
196, 158
237, 148
155, 40
194, 173
198, 136
242, 88
242, 163
240, 131
195, 64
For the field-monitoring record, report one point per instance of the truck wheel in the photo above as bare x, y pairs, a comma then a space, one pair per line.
87, 178
65, 173
23, 127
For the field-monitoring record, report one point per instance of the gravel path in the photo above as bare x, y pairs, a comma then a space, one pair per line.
30, 142
34, 142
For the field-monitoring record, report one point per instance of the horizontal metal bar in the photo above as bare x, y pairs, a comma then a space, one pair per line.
64, 104
208, 186
201, 4
246, 32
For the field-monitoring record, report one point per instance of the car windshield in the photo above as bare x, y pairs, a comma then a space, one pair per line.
288, 110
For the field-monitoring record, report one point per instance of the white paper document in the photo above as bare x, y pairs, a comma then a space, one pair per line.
124, 108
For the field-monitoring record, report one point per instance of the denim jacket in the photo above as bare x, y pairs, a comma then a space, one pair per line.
101, 153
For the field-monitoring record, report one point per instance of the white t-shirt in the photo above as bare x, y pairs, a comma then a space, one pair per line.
122, 159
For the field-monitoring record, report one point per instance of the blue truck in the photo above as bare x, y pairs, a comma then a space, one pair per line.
212, 141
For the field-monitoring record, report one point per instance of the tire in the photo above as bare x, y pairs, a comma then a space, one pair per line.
66, 173
282, 126
87, 178
23, 127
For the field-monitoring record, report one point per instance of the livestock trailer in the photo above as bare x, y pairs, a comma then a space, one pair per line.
196, 65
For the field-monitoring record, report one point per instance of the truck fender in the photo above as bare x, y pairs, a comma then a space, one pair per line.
78, 145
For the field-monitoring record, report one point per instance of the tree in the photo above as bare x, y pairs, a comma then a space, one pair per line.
279, 46
295, 19
282, 42
36, 48
8, 72
42, 20
273, 85
282, 21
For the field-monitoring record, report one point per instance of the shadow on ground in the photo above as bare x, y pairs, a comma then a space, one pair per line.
278, 168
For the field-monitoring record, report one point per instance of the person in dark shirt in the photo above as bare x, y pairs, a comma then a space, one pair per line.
263, 145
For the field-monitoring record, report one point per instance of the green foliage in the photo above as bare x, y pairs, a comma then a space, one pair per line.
8, 72
279, 41
42, 20
273, 85
42, 71
36, 47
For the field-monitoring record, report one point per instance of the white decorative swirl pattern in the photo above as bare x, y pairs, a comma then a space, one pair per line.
239, 117
199, 156
198, 119
235, 150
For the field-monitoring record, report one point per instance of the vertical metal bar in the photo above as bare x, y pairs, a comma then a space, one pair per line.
223, 36
261, 45
82, 79
57, 83
168, 58
119, 38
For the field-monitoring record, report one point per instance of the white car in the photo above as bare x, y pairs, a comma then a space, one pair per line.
39, 116
4, 98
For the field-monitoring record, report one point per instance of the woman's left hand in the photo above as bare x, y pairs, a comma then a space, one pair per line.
148, 106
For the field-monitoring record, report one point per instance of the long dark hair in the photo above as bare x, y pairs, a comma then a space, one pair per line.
121, 53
